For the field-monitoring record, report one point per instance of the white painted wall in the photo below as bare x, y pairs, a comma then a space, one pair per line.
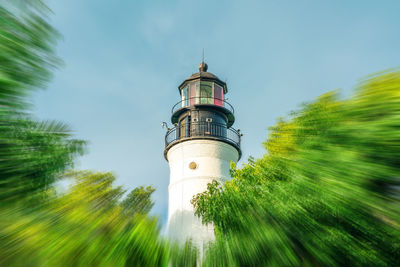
213, 162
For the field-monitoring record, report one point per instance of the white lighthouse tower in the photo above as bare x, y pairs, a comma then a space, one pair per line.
199, 149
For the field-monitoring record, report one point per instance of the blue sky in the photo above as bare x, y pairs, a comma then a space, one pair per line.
124, 60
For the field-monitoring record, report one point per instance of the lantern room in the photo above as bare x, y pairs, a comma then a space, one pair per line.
203, 89
202, 92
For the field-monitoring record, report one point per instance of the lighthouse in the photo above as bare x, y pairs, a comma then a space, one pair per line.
199, 149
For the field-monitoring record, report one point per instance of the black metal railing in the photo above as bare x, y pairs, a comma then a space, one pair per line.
202, 101
205, 130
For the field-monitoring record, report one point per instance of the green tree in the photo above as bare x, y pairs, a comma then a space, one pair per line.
84, 227
325, 193
138, 201
32, 153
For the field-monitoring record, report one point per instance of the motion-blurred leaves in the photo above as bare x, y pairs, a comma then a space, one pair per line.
85, 227
32, 153
325, 193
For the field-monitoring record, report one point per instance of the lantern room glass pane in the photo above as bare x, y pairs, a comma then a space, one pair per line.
194, 94
206, 93
218, 95
185, 97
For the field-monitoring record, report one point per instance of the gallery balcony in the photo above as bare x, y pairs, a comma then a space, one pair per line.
202, 130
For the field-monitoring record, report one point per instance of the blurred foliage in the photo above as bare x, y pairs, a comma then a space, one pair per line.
85, 227
27, 56
138, 200
32, 153
183, 255
325, 193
